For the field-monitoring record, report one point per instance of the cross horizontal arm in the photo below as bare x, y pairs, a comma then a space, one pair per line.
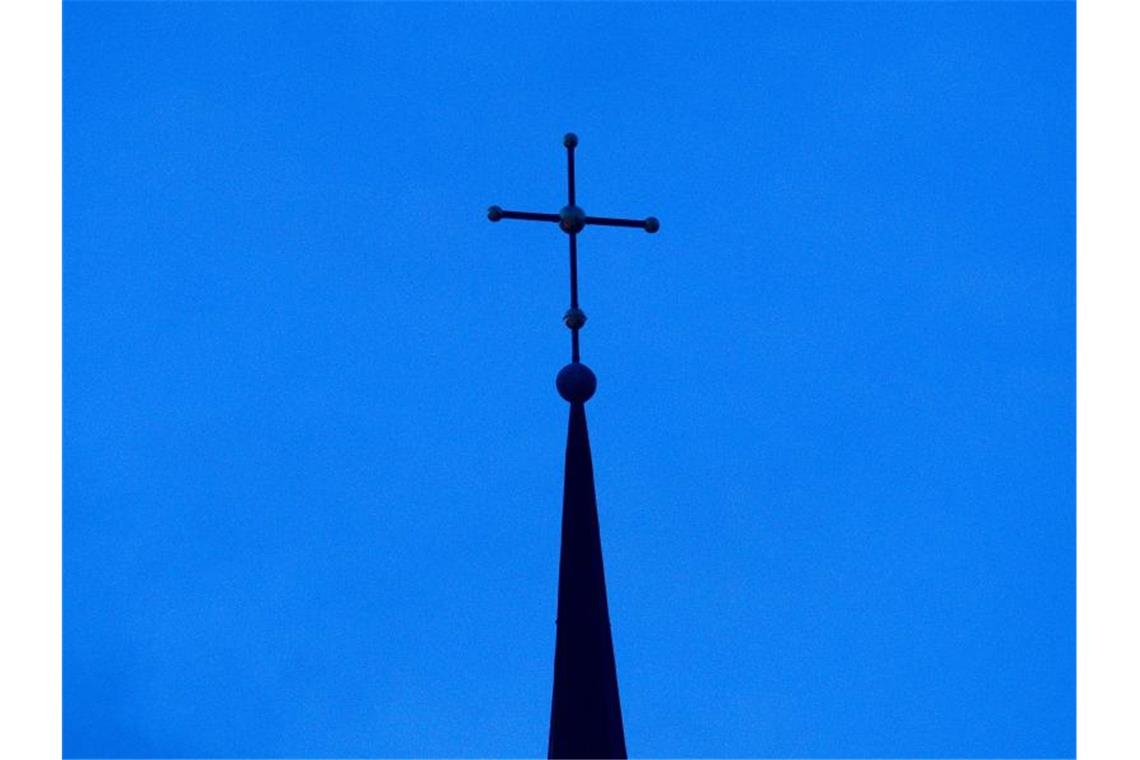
495, 214
649, 225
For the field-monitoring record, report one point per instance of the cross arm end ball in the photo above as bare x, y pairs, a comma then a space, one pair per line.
494, 213
652, 225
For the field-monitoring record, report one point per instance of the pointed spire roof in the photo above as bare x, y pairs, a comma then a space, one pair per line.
585, 714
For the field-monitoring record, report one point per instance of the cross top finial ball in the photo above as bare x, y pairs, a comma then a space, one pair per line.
570, 140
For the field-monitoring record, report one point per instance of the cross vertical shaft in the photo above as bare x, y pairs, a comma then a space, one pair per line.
575, 354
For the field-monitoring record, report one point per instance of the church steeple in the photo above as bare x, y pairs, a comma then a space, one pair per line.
585, 713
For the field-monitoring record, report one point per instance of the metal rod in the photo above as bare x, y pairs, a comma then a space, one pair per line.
529, 216
605, 221
574, 271
570, 172
574, 355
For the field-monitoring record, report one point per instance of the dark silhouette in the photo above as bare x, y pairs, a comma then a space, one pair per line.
585, 712
585, 717
572, 220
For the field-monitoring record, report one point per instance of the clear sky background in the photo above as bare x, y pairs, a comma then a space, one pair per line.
312, 445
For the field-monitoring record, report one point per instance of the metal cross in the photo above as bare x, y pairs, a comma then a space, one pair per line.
572, 220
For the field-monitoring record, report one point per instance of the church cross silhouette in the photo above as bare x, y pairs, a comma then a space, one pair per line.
585, 712
572, 220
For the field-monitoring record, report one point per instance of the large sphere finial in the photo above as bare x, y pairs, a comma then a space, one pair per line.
576, 383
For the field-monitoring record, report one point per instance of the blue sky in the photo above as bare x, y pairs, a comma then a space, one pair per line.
312, 445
